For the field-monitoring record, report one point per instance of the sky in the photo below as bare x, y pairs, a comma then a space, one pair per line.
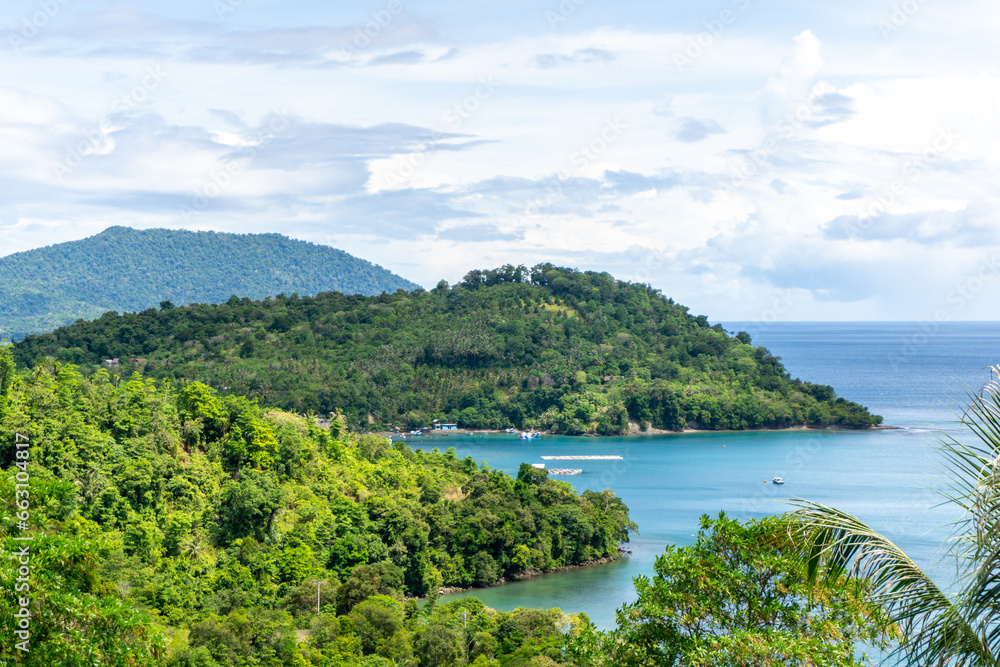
754, 160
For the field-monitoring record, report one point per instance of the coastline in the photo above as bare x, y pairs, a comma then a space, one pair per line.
531, 574
634, 430
833, 427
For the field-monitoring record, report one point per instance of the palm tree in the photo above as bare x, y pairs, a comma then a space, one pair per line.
938, 627
192, 548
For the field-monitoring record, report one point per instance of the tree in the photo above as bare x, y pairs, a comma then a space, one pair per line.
939, 627
486, 569
377, 622
382, 578
438, 646
258, 632
8, 372
739, 595
75, 620
247, 507
301, 600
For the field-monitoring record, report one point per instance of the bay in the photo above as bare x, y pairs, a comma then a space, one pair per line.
913, 374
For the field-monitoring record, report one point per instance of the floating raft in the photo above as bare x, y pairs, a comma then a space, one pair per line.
582, 458
565, 471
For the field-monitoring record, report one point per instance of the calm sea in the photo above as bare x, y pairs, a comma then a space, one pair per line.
914, 375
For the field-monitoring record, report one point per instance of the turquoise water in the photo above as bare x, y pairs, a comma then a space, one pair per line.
889, 478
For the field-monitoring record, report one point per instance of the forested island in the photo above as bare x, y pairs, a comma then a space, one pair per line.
545, 348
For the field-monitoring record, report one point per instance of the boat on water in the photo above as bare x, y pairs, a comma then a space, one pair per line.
528, 435
778, 480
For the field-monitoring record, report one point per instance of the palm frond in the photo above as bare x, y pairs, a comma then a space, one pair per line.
936, 629
978, 545
962, 630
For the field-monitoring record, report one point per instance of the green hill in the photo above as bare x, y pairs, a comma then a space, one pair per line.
125, 269
166, 520
547, 348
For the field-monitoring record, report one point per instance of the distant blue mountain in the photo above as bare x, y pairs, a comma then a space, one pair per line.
126, 269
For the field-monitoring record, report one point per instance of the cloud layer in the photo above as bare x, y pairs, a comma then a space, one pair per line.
727, 158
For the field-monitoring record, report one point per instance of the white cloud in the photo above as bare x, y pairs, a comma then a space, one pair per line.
791, 84
443, 146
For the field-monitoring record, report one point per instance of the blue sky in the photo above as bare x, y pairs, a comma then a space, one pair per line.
754, 160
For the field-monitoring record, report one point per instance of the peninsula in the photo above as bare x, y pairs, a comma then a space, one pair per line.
545, 348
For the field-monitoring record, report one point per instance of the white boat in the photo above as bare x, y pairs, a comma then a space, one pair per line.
778, 480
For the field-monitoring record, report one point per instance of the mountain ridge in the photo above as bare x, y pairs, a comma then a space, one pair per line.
125, 269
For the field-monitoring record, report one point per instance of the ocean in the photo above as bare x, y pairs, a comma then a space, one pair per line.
915, 375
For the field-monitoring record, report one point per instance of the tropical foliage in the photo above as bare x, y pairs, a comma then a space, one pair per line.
738, 596
128, 270
170, 523
546, 348
943, 623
